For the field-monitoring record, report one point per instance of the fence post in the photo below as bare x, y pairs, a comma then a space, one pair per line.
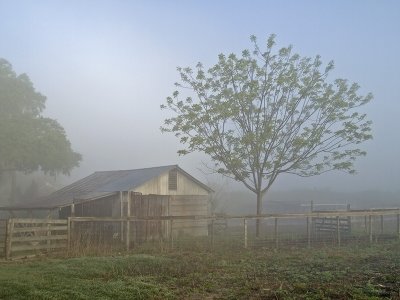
172, 233
128, 233
121, 203
212, 233
128, 224
398, 225
245, 232
276, 233
9, 233
48, 233
381, 224
308, 233
370, 229
338, 230
69, 235
365, 224
349, 218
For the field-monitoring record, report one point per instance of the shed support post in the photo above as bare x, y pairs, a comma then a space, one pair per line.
72, 210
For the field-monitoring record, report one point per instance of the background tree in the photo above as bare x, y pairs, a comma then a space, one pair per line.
268, 113
29, 141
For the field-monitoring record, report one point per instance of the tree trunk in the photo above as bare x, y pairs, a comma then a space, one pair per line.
259, 212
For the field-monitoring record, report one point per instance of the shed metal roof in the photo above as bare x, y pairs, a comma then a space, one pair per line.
105, 183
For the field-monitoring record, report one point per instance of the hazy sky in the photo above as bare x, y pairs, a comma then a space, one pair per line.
106, 66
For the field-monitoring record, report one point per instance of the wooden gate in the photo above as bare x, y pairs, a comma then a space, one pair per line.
332, 224
26, 237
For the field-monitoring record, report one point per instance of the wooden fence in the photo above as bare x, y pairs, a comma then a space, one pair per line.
29, 236
25, 237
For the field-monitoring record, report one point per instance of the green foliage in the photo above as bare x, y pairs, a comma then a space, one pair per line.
29, 141
267, 113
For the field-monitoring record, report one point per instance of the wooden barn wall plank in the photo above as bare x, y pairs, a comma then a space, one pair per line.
159, 186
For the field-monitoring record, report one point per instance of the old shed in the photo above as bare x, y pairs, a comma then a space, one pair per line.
141, 193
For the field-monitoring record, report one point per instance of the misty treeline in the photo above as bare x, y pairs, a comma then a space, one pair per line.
299, 200
29, 141
266, 113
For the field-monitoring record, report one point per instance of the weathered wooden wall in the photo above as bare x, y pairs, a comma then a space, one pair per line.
149, 206
189, 205
102, 207
159, 186
143, 206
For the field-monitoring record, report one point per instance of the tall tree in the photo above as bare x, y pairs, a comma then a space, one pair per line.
268, 113
29, 141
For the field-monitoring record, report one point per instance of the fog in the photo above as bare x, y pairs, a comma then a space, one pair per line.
106, 66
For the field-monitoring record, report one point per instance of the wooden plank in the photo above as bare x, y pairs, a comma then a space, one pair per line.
99, 219
40, 238
39, 229
185, 204
38, 247
38, 221
262, 216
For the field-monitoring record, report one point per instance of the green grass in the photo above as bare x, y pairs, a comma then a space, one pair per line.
325, 273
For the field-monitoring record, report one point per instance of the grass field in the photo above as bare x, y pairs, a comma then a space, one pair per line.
370, 272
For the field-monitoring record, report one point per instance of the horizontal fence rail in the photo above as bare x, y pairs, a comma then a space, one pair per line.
317, 227
79, 234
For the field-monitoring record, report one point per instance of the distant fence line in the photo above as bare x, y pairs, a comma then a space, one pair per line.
24, 237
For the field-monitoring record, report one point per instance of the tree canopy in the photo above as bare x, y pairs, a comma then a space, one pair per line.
266, 113
28, 140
